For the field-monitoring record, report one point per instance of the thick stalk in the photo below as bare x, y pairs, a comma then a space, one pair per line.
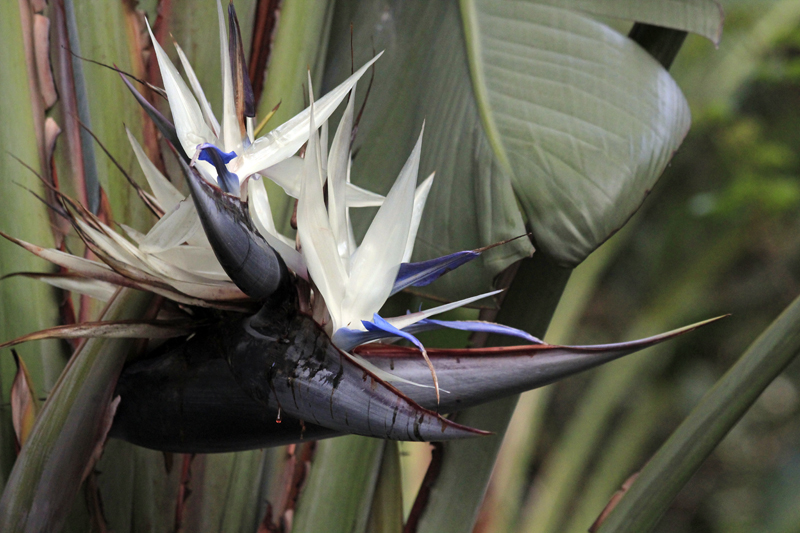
467, 466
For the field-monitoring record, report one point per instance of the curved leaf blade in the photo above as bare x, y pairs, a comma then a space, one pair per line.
703, 17
582, 118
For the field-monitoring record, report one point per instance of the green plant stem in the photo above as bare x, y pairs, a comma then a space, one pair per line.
338, 495
467, 466
500, 511
386, 515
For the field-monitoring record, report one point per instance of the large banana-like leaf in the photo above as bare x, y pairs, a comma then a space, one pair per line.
703, 17
523, 102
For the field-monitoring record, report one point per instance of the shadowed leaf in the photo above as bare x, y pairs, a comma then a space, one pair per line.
50, 467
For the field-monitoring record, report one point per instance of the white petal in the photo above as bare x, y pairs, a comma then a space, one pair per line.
189, 123
388, 376
420, 195
287, 138
337, 182
133, 234
114, 245
261, 213
231, 136
166, 193
208, 114
173, 229
374, 265
201, 261
287, 174
99, 290
358, 197
404, 321
316, 238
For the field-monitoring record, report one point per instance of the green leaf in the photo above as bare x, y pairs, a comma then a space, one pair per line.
581, 117
338, 494
24, 305
703, 17
49, 470
224, 492
694, 440
136, 489
300, 44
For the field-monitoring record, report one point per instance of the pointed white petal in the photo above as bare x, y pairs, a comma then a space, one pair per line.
231, 136
133, 234
287, 138
404, 321
99, 290
201, 261
189, 122
337, 182
388, 376
166, 193
114, 245
358, 197
374, 265
173, 229
316, 238
261, 213
287, 174
208, 114
420, 196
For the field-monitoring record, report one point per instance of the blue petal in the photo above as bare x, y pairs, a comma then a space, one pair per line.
227, 180
379, 324
346, 339
425, 272
226, 157
471, 325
